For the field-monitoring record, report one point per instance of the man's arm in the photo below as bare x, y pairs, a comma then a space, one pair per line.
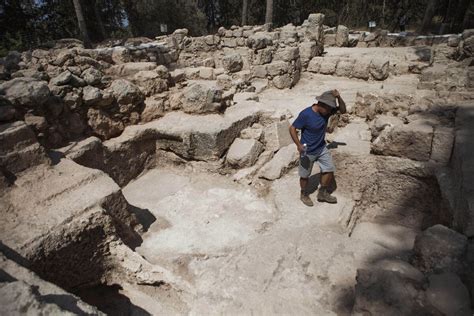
340, 101
294, 136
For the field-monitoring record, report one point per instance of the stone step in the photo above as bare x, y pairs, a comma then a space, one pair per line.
19, 148
57, 216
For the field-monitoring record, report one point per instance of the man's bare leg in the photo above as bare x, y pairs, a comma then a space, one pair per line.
304, 194
326, 180
303, 184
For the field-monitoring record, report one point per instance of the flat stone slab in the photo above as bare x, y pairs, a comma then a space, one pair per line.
203, 137
196, 213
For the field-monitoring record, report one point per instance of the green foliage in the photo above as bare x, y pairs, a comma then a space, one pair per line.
26, 24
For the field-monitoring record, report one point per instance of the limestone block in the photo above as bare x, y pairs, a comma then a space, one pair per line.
25, 91
287, 54
191, 73
308, 50
315, 64
448, 294
201, 98
177, 75
130, 69
288, 32
282, 81
330, 40
20, 149
203, 137
277, 68
244, 152
277, 135
92, 76
125, 92
284, 159
103, 124
342, 36
411, 140
229, 42
382, 122
206, 73
345, 68
154, 109
259, 40
253, 132
361, 69
328, 65
379, 68
440, 249
259, 71
232, 62
263, 56
443, 142
91, 95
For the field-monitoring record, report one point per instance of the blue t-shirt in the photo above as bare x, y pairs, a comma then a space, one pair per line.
313, 129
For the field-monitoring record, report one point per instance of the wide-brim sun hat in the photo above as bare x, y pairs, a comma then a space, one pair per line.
327, 98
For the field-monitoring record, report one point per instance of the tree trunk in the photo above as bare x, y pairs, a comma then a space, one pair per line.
245, 4
82, 22
99, 19
461, 12
429, 13
269, 13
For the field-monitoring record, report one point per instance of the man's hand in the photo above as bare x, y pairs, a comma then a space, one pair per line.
300, 148
336, 93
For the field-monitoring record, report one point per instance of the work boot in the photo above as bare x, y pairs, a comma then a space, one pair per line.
306, 200
325, 196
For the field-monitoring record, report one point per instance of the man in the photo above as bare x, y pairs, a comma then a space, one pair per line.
313, 122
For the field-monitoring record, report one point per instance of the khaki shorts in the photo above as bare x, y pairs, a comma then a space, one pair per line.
324, 160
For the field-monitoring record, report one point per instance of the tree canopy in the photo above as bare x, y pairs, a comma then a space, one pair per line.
25, 24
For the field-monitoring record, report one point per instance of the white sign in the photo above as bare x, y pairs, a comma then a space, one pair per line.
372, 24
163, 28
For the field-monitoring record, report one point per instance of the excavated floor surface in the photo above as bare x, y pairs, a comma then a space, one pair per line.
253, 252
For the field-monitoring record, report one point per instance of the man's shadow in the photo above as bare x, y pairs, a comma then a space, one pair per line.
315, 180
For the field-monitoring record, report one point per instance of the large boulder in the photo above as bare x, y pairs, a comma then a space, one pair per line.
448, 294
345, 67
411, 140
361, 69
126, 92
383, 292
67, 78
284, 159
308, 50
379, 68
243, 152
232, 62
151, 82
315, 28
103, 124
25, 91
277, 135
259, 40
440, 249
328, 65
201, 98
92, 76
342, 36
